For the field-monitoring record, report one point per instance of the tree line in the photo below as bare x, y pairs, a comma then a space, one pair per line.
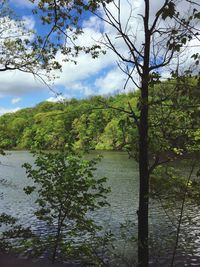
105, 122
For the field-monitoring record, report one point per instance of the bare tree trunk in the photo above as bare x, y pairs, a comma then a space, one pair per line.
143, 191
143, 250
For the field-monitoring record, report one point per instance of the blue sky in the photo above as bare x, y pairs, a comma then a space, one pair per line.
88, 77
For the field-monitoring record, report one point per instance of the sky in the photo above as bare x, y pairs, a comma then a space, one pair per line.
100, 76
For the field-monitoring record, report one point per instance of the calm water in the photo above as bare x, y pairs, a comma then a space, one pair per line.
122, 174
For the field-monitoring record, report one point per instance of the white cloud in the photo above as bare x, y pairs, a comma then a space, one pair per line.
92, 76
113, 82
74, 77
13, 29
55, 99
86, 67
24, 3
183, 60
59, 98
93, 23
16, 100
81, 88
29, 22
16, 83
8, 110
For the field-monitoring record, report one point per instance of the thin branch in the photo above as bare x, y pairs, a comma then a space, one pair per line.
193, 2
129, 76
165, 61
158, 14
157, 162
110, 16
135, 117
181, 216
115, 50
118, 27
116, 108
165, 211
187, 27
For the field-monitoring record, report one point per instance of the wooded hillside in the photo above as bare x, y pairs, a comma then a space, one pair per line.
107, 123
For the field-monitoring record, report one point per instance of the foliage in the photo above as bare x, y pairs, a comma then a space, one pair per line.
88, 124
170, 184
12, 235
21, 49
174, 117
54, 125
67, 193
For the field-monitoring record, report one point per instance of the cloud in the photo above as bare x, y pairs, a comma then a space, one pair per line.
183, 61
85, 90
59, 98
29, 22
93, 76
79, 79
73, 75
12, 29
93, 23
55, 99
85, 68
24, 3
101, 76
114, 82
8, 110
16, 83
16, 100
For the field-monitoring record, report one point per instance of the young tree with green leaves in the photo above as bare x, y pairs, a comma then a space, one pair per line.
67, 192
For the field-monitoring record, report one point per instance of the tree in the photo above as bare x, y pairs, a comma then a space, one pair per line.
22, 49
67, 192
12, 230
164, 34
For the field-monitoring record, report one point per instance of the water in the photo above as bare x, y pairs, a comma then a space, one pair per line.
122, 174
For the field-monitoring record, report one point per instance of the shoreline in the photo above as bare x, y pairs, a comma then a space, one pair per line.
9, 260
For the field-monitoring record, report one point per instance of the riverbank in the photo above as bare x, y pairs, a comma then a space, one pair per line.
14, 261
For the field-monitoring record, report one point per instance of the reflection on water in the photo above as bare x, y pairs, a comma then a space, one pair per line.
122, 174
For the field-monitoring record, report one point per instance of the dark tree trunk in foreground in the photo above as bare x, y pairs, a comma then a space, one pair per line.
143, 191
143, 250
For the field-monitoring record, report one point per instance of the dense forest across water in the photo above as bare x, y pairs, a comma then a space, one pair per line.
107, 122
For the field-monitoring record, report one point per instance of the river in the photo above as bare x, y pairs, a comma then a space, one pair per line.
122, 174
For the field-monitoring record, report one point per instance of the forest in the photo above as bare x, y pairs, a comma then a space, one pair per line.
102, 123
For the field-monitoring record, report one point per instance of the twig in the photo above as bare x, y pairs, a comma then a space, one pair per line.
181, 216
